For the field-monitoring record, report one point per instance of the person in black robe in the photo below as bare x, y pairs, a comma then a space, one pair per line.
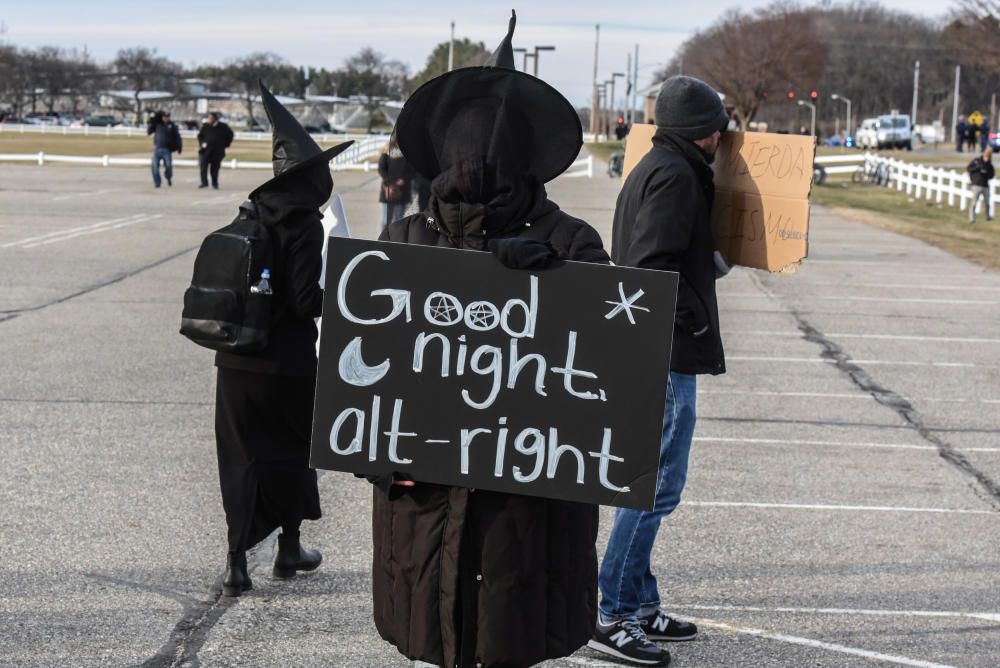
264, 400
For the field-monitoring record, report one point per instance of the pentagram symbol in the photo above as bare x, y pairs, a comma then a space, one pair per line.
482, 316
442, 309
626, 304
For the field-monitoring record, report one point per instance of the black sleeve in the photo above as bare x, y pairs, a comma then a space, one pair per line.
303, 265
178, 142
990, 171
587, 246
201, 136
229, 136
383, 166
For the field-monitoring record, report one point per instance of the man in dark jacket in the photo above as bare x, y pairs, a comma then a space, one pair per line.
166, 140
980, 174
662, 222
214, 138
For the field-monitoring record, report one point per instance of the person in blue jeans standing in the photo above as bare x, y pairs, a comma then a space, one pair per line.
662, 221
166, 140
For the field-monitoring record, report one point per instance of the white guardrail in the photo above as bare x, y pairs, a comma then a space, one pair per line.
356, 158
128, 131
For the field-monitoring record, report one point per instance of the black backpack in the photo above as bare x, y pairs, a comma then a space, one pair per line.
221, 311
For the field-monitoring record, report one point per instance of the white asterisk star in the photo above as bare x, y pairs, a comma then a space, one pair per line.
626, 304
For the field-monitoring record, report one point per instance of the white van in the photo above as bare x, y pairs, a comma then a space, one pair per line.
889, 131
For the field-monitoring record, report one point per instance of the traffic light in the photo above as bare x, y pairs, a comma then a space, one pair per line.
814, 95
791, 93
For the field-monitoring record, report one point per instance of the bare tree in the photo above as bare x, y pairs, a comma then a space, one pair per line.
370, 76
749, 57
248, 71
144, 70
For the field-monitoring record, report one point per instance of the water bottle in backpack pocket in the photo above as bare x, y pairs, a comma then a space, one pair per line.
229, 303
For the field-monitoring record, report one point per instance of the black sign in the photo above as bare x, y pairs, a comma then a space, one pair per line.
444, 366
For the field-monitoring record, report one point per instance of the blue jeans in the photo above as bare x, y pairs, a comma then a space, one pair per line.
164, 155
628, 587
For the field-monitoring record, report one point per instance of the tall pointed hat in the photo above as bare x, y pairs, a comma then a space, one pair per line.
292, 149
494, 112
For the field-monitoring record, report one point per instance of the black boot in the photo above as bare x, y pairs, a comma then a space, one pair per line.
237, 579
293, 557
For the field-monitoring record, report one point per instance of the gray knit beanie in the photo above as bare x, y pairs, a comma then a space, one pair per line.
690, 108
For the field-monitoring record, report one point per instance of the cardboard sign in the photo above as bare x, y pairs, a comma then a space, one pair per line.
760, 217
444, 366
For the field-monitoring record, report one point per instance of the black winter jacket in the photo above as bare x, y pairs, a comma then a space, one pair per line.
662, 221
980, 172
213, 140
464, 577
165, 135
297, 246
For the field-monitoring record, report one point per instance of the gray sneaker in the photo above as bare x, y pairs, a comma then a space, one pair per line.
624, 639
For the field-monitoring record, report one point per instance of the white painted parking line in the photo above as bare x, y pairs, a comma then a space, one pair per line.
795, 334
834, 444
213, 200
988, 616
61, 198
143, 218
103, 223
821, 506
820, 360
838, 395
856, 298
910, 286
818, 644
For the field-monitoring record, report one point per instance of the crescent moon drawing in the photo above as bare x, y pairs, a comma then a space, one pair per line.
353, 369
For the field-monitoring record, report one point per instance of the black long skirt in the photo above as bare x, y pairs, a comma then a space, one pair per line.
262, 430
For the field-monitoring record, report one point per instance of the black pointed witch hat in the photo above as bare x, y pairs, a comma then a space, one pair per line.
292, 149
491, 110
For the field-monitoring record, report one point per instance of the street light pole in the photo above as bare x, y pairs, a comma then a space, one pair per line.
525, 52
812, 108
451, 48
541, 48
594, 104
847, 128
614, 76
916, 89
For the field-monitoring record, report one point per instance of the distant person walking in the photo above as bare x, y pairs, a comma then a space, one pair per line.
970, 136
960, 129
214, 138
397, 176
984, 135
166, 140
980, 173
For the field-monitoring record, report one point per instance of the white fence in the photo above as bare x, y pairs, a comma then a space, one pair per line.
840, 164
356, 158
932, 184
128, 131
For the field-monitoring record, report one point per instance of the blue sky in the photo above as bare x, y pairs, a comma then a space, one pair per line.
324, 33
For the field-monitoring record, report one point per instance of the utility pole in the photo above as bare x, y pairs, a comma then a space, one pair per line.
451, 49
635, 81
594, 104
916, 89
812, 109
614, 110
954, 106
628, 89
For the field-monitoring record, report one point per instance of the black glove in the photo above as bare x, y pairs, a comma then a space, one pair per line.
520, 253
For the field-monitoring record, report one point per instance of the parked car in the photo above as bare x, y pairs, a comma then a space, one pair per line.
41, 119
889, 131
101, 120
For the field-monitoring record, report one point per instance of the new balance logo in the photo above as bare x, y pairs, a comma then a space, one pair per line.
660, 623
621, 638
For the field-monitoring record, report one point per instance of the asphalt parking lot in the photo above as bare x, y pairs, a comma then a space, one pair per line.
843, 505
